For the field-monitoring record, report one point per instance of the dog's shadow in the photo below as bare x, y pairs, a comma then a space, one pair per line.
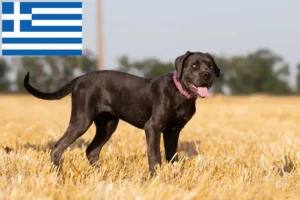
79, 143
189, 148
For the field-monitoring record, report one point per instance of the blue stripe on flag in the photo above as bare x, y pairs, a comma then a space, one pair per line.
7, 7
27, 27
41, 52
41, 40
57, 17
7, 25
26, 7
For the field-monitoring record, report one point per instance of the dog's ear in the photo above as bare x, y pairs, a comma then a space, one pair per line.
179, 63
217, 69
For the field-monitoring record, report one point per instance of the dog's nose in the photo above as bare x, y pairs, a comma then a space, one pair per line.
206, 76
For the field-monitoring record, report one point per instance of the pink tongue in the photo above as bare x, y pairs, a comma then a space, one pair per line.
203, 92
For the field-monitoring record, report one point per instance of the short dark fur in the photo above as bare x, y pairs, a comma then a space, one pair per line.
155, 105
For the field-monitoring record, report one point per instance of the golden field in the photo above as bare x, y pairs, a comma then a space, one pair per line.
233, 148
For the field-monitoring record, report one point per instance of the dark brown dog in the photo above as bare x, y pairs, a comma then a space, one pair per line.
158, 105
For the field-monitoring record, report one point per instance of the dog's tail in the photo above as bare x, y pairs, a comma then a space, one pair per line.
64, 91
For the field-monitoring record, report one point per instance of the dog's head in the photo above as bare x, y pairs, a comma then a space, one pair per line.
195, 72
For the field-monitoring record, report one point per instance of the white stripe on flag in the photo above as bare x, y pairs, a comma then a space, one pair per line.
42, 35
56, 10
56, 22
41, 46
12, 17
17, 16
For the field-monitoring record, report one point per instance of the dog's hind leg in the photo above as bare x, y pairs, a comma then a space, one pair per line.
106, 125
73, 132
81, 120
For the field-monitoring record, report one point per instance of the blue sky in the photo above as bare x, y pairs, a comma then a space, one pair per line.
166, 29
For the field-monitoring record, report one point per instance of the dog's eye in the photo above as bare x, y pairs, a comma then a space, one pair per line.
194, 66
211, 67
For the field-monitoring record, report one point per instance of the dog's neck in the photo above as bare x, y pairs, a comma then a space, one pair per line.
179, 87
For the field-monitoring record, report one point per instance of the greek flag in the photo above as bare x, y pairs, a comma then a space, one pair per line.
41, 28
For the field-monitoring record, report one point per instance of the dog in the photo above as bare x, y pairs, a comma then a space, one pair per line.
160, 105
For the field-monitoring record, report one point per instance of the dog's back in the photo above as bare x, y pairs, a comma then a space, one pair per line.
124, 95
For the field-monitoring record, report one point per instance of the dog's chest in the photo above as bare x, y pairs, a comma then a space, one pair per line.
184, 113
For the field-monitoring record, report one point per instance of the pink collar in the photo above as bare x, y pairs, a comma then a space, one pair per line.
179, 87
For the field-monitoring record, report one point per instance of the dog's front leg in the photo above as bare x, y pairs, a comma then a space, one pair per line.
153, 135
171, 137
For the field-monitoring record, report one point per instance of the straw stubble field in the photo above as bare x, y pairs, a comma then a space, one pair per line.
233, 148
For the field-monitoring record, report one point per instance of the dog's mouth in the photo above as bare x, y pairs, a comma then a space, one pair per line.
201, 91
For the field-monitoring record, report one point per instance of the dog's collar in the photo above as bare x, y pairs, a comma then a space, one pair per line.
179, 87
